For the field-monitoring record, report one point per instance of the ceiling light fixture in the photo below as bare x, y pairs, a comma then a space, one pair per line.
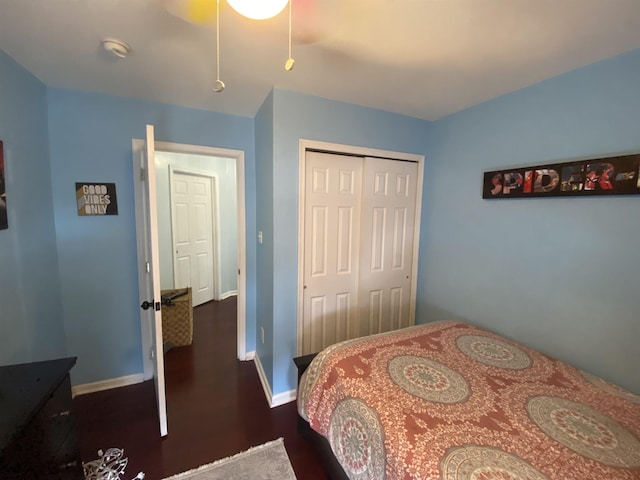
116, 47
201, 11
258, 9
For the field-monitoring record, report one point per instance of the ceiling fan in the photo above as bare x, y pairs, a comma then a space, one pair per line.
202, 12
380, 31
309, 16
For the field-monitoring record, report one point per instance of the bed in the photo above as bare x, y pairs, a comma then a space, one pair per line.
448, 400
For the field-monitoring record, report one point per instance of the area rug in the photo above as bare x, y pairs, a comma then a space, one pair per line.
264, 462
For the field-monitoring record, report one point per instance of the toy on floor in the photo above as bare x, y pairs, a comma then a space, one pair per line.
109, 466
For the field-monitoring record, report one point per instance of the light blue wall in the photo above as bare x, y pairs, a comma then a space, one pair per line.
559, 274
90, 140
31, 325
224, 169
297, 116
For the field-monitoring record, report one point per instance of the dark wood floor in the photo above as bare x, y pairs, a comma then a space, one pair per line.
216, 407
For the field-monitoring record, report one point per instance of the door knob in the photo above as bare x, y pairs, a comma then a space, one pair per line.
147, 305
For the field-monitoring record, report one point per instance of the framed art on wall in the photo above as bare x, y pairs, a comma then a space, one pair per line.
96, 198
601, 176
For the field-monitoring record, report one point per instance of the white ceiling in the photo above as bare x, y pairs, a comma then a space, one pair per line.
422, 58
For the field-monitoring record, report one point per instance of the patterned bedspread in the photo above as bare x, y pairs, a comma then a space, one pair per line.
450, 401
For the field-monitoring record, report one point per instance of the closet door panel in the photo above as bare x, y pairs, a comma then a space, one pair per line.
386, 247
358, 247
332, 234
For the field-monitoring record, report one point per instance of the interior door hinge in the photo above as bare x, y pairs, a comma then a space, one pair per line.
147, 267
143, 176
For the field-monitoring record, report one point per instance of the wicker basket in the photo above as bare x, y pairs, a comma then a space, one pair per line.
177, 319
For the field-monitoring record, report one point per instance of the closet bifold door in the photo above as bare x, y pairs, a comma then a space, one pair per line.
333, 202
359, 223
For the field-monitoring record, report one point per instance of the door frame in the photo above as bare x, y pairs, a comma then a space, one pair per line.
215, 222
238, 156
336, 148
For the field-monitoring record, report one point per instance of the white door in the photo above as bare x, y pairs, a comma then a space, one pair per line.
359, 234
332, 234
386, 248
191, 206
149, 266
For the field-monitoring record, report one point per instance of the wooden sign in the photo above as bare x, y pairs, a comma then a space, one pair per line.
96, 199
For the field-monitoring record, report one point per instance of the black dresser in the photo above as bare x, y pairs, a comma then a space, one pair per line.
38, 437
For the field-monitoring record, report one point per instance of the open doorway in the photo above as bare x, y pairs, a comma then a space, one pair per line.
144, 178
228, 166
147, 238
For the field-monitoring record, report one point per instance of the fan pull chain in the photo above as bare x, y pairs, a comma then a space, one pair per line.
219, 85
288, 65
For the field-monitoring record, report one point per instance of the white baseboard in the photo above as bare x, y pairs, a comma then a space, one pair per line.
263, 378
284, 397
272, 400
231, 293
107, 384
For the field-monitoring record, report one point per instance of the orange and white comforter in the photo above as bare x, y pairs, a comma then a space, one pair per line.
451, 401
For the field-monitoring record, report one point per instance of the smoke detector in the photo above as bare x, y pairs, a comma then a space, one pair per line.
116, 47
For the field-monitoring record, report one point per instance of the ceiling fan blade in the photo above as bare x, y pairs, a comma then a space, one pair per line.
200, 12
312, 19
